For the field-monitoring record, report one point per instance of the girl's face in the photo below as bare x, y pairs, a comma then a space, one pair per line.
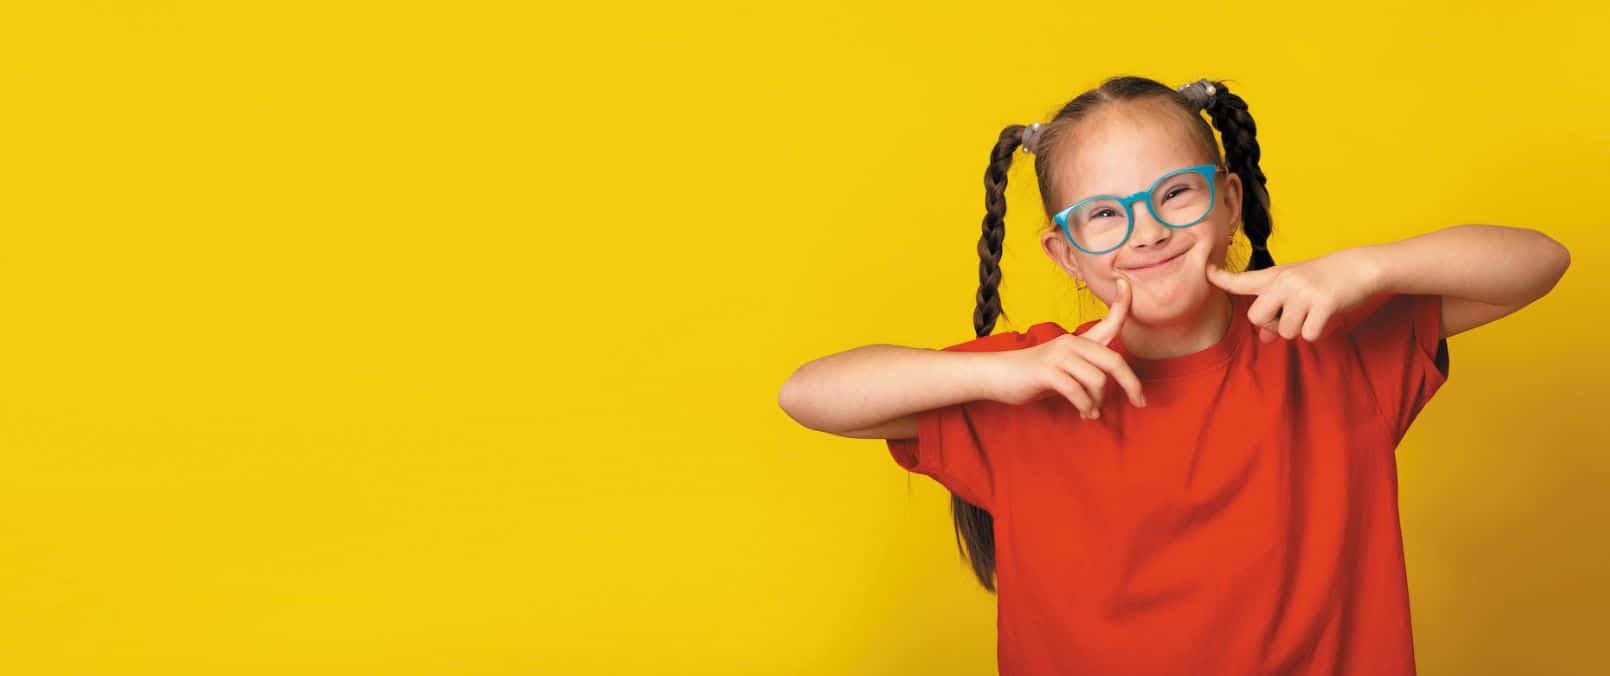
1121, 149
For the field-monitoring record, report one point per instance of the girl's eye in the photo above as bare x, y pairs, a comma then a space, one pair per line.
1099, 213
1176, 192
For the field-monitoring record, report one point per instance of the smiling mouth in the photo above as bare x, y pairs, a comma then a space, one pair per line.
1161, 263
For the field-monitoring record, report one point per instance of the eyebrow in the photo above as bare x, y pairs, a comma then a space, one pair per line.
1121, 193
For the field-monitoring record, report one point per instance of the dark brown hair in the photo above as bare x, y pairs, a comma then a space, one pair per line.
974, 525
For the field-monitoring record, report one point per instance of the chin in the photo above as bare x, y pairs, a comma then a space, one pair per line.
1173, 311
1174, 297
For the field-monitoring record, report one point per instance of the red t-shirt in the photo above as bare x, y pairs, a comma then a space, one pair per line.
1244, 522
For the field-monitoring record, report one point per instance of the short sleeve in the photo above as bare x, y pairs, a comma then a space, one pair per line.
961, 445
1400, 346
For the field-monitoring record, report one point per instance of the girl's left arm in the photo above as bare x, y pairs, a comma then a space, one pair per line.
1483, 272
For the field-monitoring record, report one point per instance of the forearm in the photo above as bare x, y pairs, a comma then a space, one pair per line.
1487, 263
873, 384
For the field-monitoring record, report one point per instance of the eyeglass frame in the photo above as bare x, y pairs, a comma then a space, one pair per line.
1211, 171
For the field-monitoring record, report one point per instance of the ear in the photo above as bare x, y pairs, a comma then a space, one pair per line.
1057, 246
1232, 197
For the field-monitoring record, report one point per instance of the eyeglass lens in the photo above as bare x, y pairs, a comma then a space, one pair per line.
1179, 200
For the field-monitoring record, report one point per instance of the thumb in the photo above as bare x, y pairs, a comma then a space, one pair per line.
1245, 283
1107, 329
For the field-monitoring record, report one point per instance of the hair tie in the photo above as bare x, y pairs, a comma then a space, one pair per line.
1199, 93
1031, 136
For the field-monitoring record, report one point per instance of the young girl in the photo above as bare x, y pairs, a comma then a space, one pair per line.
1203, 481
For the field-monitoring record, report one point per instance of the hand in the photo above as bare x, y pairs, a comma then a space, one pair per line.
1301, 297
1075, 366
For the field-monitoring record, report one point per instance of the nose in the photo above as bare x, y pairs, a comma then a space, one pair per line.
1148, 232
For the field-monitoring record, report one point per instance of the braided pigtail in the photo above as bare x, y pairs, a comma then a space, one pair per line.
975, 527
993, 236
1241, 154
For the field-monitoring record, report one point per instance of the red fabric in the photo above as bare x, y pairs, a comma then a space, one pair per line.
1245, 522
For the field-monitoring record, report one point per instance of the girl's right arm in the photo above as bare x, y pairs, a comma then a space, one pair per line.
875, 391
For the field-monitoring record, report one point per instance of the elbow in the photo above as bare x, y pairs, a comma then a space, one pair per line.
791, 399
786, 397
1565, 257
1559, 257
802, 398
1553, 260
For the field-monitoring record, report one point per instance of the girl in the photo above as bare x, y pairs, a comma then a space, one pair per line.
1234, 510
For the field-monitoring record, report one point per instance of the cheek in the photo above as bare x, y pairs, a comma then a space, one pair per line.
1094, 269
1223, 236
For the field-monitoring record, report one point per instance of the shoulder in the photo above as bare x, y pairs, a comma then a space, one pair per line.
1011, 340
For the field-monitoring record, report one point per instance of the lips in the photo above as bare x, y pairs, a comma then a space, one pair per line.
1158, 263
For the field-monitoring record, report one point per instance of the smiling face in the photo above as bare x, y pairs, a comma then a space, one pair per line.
1120, 149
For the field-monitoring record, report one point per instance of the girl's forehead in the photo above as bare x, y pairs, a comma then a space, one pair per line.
1120, 149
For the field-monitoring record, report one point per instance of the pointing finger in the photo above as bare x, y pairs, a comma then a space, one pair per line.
1107, 329
1243, 283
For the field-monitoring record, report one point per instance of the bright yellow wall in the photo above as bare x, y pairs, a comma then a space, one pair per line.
409, 338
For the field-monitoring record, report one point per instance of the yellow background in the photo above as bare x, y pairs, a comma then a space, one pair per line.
413, 338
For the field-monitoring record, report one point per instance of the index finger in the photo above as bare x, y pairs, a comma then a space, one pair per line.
1107, 329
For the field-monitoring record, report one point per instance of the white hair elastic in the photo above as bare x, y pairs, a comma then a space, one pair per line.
1199, 93
1031, 136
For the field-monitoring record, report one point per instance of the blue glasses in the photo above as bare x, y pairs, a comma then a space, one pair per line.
1180, 199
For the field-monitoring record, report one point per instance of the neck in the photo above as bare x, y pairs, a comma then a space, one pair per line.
1185, 335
